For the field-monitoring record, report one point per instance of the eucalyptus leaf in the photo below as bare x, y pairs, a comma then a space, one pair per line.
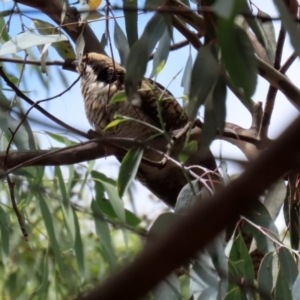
29, 39
5, 236
186, 76
296, 288
131, 21
275, 197
203, 79
78, 246
48, 220
141, 50
267, 30
234, 42
161, 54
112, 193
168, 289
128, 169
63, 48
118, 97
288, 266
9, 124
121, 44
261, 217
281, 290
103, 233
265, 274
107, 209
289, 24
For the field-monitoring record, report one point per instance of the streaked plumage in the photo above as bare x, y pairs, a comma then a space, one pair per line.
102, 78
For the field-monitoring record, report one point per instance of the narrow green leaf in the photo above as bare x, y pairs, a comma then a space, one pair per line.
5, 236
48, 221
65, 205
112, 193
255, 26
204, 76
121, 44
118, 97
204, 279
78, 246
288, 266
42, 290
296, 288
107, 209
289, 24
141, 50
169, 288
7, 123
210, 122
60, 138
128, 169
275, 197
282, 290
103, 234
219, 103
187, 151
227, 9
62, 185
63, 48
186, 198
186, 77
234, 42
29, 39
5, 13
261, 217
239, 252
103, 41
265, 275
162, 223
161, 54
94, 15
268, 34
4, 34
114, 123
131, 21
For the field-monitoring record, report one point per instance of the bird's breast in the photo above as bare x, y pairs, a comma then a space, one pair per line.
97, 95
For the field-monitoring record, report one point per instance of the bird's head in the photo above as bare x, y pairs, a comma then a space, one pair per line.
101, 67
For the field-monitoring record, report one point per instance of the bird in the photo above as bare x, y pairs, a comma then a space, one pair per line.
101, 79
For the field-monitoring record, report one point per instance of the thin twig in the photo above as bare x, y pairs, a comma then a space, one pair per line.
272, 92
15, 207
31, 61
288, 63
39, 108
275, 240
28, 111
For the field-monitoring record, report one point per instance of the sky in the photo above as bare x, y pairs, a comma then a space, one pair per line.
70, 107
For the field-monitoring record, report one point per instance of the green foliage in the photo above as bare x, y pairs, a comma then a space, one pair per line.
79, 224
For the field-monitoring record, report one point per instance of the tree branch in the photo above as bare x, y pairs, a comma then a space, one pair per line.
190, 233
53, 9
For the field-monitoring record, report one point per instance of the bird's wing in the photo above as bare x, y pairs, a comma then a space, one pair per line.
153, 94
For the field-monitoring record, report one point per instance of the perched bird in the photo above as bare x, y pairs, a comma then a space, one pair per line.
101, 79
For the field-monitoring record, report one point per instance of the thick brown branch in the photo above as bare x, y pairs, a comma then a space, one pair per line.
194, 230
53, 9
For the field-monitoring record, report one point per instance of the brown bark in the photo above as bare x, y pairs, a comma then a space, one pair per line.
202, 223
70, 25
